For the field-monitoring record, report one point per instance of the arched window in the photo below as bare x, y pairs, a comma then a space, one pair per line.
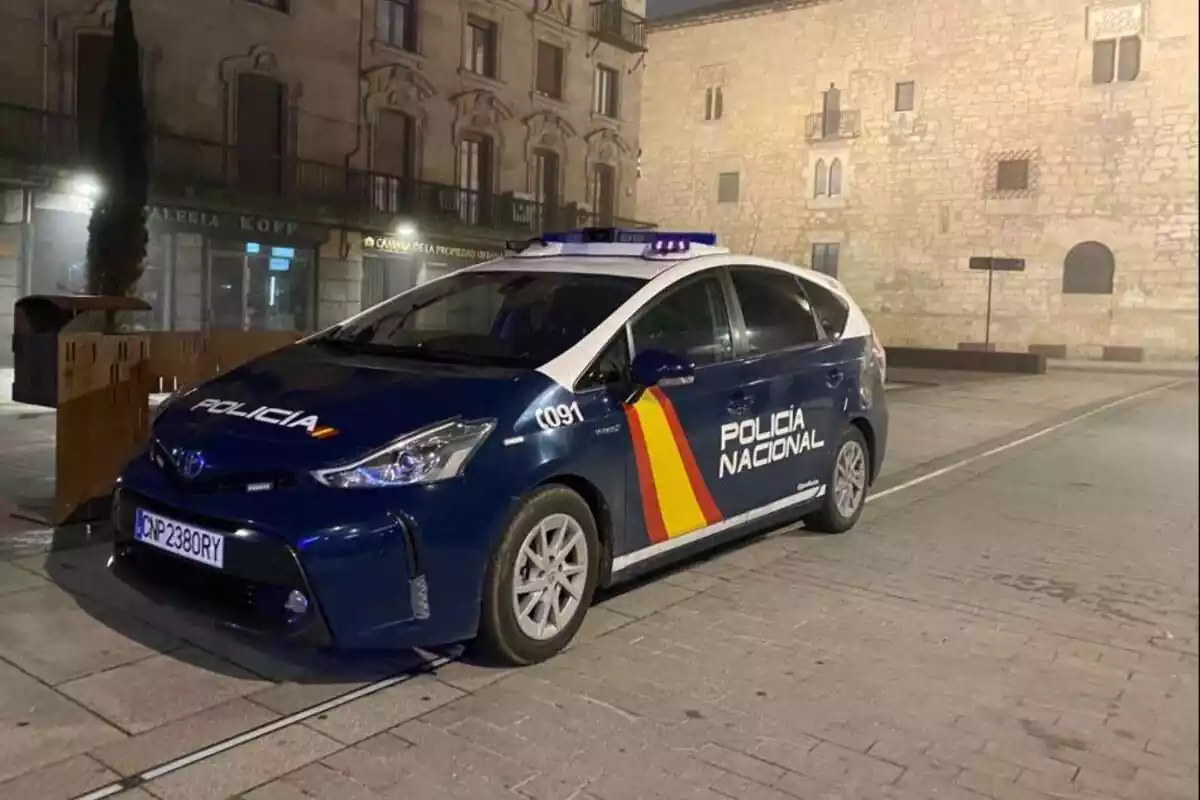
821, 179
835, 178
1088, 269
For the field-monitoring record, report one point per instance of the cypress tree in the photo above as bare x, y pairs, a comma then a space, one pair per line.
117, 236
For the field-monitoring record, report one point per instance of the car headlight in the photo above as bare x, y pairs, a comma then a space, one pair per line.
427, 456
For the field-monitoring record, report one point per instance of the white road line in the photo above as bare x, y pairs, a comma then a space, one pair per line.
365, 691
261, 731
937, 473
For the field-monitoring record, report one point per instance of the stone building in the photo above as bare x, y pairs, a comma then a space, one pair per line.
926, 150
310, 157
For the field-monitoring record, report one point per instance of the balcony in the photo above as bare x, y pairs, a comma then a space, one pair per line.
832, 126
205, 171
612, 23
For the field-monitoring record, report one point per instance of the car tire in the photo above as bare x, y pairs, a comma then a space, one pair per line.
849, 469
568, 578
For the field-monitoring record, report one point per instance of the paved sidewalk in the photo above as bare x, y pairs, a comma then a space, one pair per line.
1024, 627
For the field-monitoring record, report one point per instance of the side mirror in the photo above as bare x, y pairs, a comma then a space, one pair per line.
660, 368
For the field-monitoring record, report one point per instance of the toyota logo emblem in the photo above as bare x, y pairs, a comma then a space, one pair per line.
190, 463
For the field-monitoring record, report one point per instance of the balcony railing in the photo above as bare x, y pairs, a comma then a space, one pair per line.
185, 166
611, 22
830, 125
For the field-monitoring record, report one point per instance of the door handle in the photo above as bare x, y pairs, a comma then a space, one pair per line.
739, 403
835, 377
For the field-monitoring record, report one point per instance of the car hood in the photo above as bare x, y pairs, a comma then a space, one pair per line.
307, 406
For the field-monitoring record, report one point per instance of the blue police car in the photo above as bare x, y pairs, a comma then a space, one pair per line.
474, 458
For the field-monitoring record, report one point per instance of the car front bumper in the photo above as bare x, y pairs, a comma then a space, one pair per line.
379, 569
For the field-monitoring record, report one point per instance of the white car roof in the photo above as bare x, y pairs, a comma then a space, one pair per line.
660, 271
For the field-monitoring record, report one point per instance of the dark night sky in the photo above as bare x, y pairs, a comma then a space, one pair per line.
661, 8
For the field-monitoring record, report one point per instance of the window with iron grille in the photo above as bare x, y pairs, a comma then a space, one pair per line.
1012, 175
481, 47
605, 91
396, 23
714, 103
550, 60
825, 258
1116, 60
906, 93
728, 187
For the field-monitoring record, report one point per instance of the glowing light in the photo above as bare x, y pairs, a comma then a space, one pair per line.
87, 187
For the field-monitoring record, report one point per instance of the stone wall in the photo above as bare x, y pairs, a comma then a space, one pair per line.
996, 80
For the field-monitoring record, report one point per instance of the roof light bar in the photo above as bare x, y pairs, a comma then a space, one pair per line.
660, 241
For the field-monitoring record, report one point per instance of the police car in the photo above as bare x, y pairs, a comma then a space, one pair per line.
474, 458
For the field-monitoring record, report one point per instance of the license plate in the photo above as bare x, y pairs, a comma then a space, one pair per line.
181, 539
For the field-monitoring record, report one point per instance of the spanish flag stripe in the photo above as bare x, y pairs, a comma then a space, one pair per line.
681, 512
700, 491
650, 510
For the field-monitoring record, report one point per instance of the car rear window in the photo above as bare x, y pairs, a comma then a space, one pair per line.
831, 309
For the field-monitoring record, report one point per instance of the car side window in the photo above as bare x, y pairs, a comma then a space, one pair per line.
692, 322
611, 367
775, 309
832, 311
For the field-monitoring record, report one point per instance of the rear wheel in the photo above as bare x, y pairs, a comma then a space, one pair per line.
541, 578
846, 491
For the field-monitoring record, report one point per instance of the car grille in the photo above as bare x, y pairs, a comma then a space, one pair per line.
250, 592
231, 481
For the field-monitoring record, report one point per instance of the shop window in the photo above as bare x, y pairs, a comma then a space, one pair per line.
1116, 60
396, 23
259, 286
260, 132
1089, 268
550, 61
728, 187
604, 194
605, 92
482, 36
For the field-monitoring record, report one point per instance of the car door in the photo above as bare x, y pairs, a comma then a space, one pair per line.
674, 428
779, 456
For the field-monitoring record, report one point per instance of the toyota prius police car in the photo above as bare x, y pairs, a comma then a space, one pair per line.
474, 458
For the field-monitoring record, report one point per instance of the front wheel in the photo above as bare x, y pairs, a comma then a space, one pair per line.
540, 579
846, 492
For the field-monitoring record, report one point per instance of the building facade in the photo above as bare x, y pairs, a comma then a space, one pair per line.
311, 157
979, 173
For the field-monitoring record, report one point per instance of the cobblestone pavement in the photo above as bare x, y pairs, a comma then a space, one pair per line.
1024, 626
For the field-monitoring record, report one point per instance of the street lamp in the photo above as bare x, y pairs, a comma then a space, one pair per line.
406, 230
86, 187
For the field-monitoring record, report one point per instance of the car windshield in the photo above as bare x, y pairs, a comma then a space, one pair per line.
511, 319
